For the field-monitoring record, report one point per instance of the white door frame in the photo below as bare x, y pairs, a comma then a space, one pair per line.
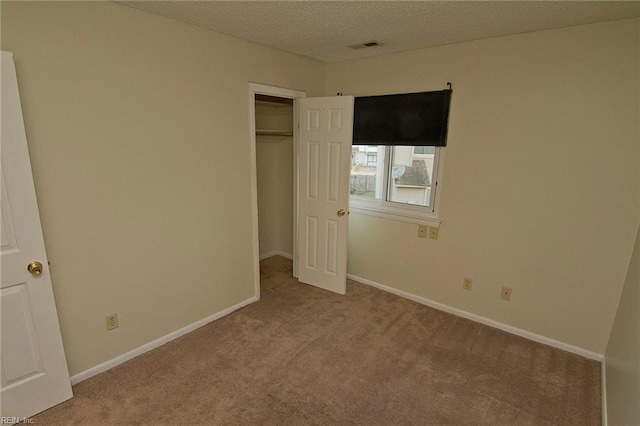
280, 92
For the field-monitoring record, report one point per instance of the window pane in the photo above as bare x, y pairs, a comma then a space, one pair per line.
411, 174
367, 168
424, 150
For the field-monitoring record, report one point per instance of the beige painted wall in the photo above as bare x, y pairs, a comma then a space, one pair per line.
275, 194
541, 178
623, 351
136, 126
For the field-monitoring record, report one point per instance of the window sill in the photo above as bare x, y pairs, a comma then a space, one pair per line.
395, 213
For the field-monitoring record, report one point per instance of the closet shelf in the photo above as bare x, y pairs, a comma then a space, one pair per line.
273, 132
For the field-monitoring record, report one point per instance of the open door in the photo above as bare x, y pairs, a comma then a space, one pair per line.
326, 127
34, 368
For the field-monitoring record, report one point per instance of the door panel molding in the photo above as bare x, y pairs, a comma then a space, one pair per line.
34, 368
323, 199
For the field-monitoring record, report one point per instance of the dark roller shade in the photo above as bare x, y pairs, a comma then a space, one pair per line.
403, 119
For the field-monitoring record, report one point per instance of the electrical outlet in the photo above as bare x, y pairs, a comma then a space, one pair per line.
466, 283
433, 233
422, 231
505, 294
112, 322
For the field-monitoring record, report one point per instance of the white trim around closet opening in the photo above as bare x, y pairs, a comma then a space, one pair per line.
263, 89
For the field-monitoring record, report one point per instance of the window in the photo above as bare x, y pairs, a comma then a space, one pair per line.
424, 149
400, 184
398, 142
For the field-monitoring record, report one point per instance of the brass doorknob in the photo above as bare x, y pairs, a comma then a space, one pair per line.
35, 268
342, 212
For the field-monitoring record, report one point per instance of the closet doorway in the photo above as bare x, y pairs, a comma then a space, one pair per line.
274, 163
273, 122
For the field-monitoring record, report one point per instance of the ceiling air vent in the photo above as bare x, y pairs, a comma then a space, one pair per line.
365, 45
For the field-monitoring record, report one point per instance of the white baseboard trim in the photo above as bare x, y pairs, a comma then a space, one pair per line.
276, 253
482, 320
101, 368
603, 391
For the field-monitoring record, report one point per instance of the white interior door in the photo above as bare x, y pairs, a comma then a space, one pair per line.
34, 367
326, 126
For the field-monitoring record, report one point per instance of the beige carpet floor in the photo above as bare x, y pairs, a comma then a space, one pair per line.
304, 356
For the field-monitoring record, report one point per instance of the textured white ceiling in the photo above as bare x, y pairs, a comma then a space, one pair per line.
323, 29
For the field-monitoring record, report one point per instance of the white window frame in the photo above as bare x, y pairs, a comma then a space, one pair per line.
380, 207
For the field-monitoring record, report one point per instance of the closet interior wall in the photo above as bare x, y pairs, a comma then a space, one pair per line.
274, 160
